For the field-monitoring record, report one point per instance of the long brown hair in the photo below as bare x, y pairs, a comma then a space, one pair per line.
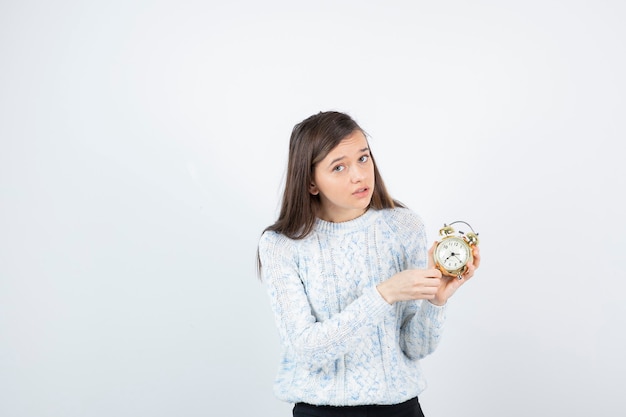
311, 141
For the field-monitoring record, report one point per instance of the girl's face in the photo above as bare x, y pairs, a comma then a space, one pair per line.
344, 179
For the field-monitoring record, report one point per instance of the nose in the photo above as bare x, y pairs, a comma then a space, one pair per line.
357, 174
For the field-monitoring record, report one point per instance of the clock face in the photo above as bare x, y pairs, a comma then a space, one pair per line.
452, 253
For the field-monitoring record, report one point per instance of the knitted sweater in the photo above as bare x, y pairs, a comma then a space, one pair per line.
343, 344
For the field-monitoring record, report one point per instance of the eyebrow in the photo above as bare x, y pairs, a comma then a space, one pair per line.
342, 157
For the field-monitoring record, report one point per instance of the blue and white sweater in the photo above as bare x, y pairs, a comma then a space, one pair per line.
343, 344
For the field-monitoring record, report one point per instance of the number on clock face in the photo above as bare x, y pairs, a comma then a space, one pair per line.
452, 254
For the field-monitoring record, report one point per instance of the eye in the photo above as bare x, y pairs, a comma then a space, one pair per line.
338, 168
364, 158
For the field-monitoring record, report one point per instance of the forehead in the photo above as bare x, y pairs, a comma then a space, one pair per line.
355, 142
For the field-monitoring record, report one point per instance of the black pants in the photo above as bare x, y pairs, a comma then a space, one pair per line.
410, 408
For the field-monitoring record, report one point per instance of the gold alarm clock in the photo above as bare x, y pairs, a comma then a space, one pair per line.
454, 251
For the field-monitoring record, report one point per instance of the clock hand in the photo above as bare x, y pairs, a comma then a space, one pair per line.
451, 255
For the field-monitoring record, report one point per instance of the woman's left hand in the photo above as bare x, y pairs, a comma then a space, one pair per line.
449, 285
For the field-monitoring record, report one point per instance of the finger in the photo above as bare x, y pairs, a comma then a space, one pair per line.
427, 282
434, 282
428, 290
469, 273
476, 254
424, 292
433, 272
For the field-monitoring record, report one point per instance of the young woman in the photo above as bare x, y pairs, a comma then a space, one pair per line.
353, 287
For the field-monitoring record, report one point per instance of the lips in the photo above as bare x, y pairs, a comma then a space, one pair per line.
361, 191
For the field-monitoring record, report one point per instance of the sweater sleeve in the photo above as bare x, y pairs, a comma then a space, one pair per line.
314, 343
422, 321
422, 329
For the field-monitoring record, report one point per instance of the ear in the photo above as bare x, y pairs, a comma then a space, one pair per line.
313, 189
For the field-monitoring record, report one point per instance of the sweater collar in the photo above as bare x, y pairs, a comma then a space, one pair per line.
365, 219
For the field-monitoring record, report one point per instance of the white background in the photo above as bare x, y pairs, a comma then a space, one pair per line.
143, 148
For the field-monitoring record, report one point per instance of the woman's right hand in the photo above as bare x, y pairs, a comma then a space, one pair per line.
411, 284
